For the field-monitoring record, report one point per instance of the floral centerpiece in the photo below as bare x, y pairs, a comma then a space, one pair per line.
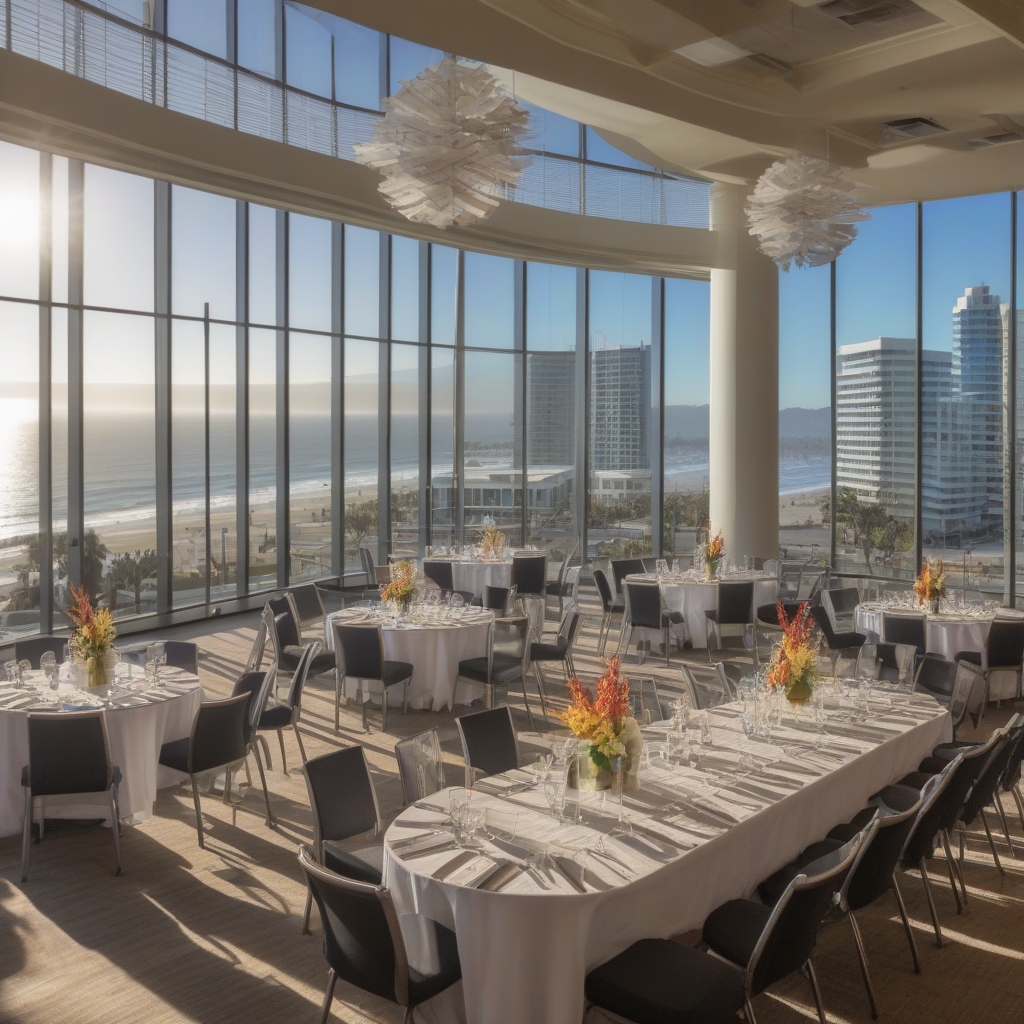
93, 638
493, 542
930, 585
605, 726
713, 551
793, 667
399, 588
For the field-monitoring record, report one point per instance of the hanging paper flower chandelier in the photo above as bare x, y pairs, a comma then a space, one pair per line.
448, 145
802, 211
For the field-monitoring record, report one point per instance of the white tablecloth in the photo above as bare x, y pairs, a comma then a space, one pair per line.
693, 598
474, 576
136, 735
525, 954
946, 634
434, 651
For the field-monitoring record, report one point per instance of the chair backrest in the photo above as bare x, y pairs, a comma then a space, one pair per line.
529, 574
691, 689
287, 628
734, 603
871, 876
497, 599
970, 693
331, 596
363, 941
259, 644
299, 676
644, 604
182, 654
420, 766
308, 604
768, 614
68, 752
904, 629
1005, 643
258, 685
359, 650
35, 647
646, 697
789, 936
219, 733
569, 631
366, 561
844, 601
440, 572
623, 567
604, 591
988, 778
727, 684
937, 676
771, 565
489, 742
703, 693
341, 795
510, 636
824, 624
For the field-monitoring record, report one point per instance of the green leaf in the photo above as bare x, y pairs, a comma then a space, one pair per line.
600, 759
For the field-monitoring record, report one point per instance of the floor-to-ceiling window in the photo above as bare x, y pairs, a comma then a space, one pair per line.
1015, 337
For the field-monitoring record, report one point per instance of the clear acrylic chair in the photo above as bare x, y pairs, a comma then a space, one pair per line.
420, 766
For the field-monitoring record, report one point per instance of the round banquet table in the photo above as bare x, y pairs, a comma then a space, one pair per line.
434, 647
526, 942
947, 633
474, 575
138, 725
693, 596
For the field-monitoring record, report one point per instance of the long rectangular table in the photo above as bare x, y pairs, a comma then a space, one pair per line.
526, 947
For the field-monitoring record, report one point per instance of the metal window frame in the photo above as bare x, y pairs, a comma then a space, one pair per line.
76, 354
242, 539
833, 392
520, 447
384, 545
425, 407
338, 399
163, 357
581, 499
656, 412
1010, 499
459, 400
918, 382
283, 433
45, 390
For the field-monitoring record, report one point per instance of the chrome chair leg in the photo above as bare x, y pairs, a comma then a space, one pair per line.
668, 649
284, 763
307, 911
748, 1011
812, 978
526, 702
325, 1010
863, 957
199, 811
952, 874
1020, 804
26, 834
1002, 821
115, 826
906, 925
959, 865
263, 780
298, 739
405, 697
991, 842
337, 703
539, 679
266, 751
931, 903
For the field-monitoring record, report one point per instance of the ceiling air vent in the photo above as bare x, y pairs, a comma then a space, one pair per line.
771, 63
915, 127
860, 12
995, 140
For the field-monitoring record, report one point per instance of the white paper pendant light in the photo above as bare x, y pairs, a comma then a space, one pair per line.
447, 145
802, 212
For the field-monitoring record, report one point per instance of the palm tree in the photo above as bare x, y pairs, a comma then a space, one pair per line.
131, 572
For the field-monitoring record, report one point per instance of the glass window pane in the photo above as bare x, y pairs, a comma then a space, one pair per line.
262, 459
551, 132
309, 361
443, 294
965, 278
550, 307
1018, 474
118, 255
59, 463
19, 215
408, 60
362, 282
405, 451
620, 410
257, 49
362, 373
805, 412
356, 64
309, 277
442, 426
605, 153
200, 23
262, 265
59, 266
405, 288
308, 58
491, 478
202, 253
687, 398
120, 461
19, 469
876, 325
137, 11
489, 301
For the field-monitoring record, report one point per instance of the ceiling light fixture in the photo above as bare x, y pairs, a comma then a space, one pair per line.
448, 145
802, 212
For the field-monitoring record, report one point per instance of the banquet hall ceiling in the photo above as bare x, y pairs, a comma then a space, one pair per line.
721, 89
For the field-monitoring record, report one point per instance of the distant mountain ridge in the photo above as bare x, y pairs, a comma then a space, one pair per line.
686, 421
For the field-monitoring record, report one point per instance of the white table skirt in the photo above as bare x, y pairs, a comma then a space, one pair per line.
474, 576
136, 735
435, 653
693, 599
525, 956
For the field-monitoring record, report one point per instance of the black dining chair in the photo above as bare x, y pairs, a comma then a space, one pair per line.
283, 631
440, 572
489, 742
838, 644
623, 567
968, 697
529, 575
770, 943
35, 647
343, 802
308, 604
1004, 652
259, 686
278, 717
420, 765
904, 629
496, 599
646, 611
734, 606
843, 603
359, 654
702, 691
559, 651
369, 944
68, 753
506, 662
937, 676
368, 567
182, 654
219, 738
766, 620
559, 587
608, 609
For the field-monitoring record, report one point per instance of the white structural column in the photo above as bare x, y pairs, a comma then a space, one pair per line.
744, 442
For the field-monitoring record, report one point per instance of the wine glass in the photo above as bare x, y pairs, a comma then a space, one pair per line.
48, 663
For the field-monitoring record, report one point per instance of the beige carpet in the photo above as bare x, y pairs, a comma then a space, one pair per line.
214, 935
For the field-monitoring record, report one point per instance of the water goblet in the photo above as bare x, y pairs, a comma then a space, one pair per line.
675, 566
661, 567
13, 672
48, 663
